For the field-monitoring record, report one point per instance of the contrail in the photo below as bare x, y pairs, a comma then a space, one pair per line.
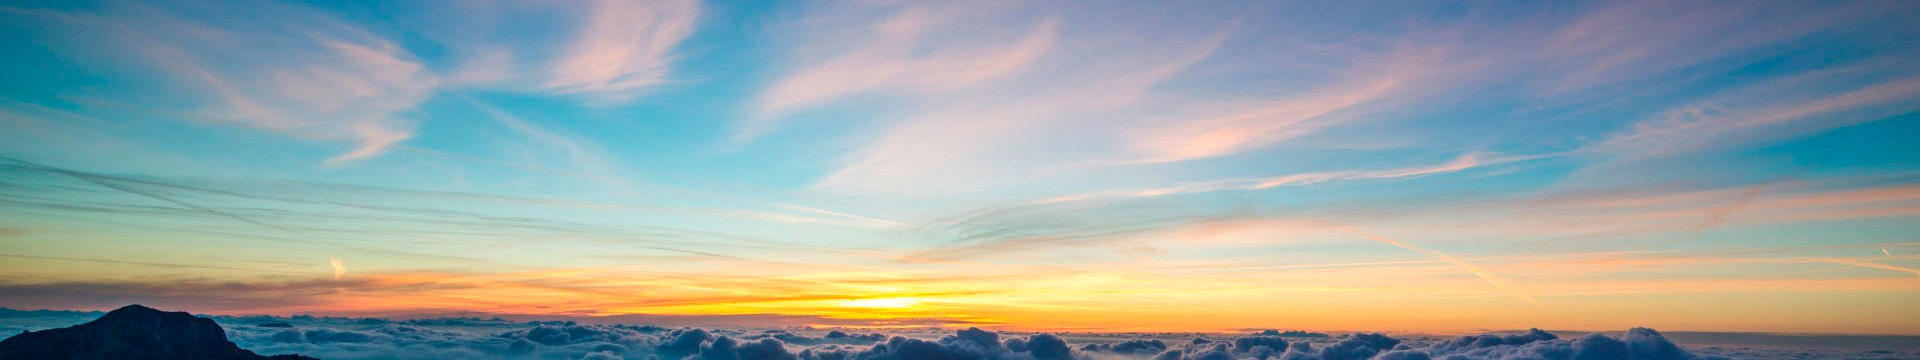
621, 181
518, 124
164, 265
1871, 265
339, 269
1490, 278
1720, 214
104, 182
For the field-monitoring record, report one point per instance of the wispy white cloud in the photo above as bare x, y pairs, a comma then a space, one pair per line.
44, 133
1491, 278
601, 52
910, 50
1189, 139
1462, 163
1769, 111
1101, 105
585, 154
1646, 212
972, 137
272, 67
302, 72
1106, 98
623, 47
1369, 83
1621, 42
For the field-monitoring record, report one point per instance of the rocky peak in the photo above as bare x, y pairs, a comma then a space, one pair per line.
132, 332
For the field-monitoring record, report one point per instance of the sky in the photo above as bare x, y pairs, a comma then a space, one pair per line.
1017, 165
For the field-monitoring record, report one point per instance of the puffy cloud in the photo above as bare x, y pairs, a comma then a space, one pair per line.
572, 333
1404, 355
832, 337
1255, 347
1293, 333
685, 341
1636, 344
764, 349
1048, 347
351, 338
1271, 342
1130, 347
1466, 343
342, 339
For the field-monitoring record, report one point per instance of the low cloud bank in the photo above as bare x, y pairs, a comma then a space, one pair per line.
591, 341
475, 338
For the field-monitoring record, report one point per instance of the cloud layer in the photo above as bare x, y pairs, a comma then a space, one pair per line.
420, 339
306, 73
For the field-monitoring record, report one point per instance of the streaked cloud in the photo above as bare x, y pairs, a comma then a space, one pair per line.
1022, 164
1769, 111
623, 47
273, 67
1462, 163
909, 49
305, 73
968, 139
585, 155
1491, 278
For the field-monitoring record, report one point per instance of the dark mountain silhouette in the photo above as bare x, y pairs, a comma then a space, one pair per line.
133, 333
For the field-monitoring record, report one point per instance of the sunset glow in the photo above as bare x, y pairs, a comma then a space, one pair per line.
1422, 166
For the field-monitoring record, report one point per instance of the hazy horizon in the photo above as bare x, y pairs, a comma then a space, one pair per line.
1431, 167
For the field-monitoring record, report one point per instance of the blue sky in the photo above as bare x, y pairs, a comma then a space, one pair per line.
1000, 162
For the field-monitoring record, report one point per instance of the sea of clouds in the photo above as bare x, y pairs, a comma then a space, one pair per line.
588, 341
474, 338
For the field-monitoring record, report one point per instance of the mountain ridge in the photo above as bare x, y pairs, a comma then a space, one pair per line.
133, 332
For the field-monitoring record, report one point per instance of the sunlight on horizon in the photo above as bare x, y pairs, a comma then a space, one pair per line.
1212, 166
